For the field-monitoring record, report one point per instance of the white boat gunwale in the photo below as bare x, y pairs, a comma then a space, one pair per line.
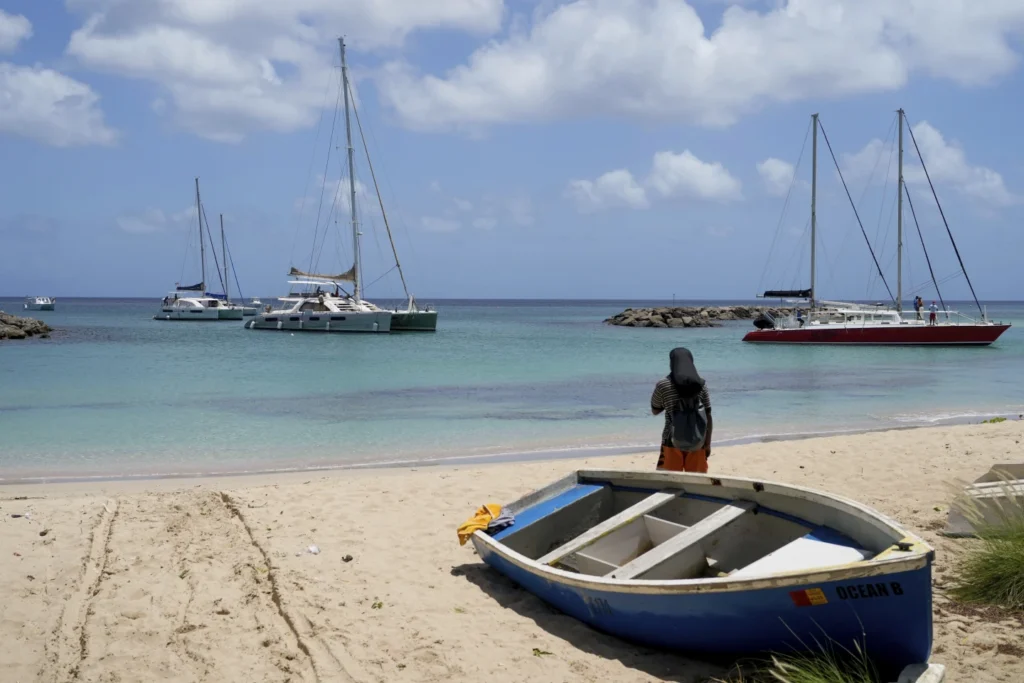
892, 560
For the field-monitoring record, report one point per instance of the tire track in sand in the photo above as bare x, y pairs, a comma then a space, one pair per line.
326, 664
67, 645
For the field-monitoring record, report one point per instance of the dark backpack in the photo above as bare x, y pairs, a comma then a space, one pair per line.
689, 424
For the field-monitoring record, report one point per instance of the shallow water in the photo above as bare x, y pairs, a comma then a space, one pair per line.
114, 392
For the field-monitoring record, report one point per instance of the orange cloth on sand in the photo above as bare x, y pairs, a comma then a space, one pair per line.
675, 460
478, 522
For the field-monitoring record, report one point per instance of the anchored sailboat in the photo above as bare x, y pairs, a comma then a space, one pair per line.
182, 304
323, 306
830, 322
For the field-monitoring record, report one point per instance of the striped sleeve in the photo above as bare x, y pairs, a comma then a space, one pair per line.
657, 399
706, 398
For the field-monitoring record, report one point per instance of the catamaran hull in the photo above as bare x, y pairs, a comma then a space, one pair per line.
194, 315
323, 322
910, 335
229, 314
415, 321
894, 610
39, 307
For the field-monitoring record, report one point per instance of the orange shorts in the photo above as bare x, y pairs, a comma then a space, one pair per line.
675, 460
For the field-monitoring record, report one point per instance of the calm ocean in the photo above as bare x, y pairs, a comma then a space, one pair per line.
114, 392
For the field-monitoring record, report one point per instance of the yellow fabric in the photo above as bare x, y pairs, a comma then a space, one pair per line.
478, 522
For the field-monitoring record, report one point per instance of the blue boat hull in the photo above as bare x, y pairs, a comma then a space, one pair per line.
894, 610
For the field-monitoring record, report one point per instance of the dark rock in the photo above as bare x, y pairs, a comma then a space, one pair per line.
13, 327
690, 316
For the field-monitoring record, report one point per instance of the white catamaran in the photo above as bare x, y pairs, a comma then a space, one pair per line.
193, 302
320, 304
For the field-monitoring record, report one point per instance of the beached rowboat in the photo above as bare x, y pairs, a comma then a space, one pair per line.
720, 565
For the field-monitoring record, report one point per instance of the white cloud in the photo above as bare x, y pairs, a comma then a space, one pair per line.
334, 193
946, 160
613, 189
520, 211
672, 175
684, 175
434, 224
719, 230
14, 28
155, 220
777, 175
656, 59
462, 204
151, 220
49, 107
485, 223
230, 67
947, 163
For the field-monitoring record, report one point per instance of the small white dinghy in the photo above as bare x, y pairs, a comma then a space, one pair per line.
988, 501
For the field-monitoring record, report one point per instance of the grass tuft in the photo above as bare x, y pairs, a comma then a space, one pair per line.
826, 665
993, 571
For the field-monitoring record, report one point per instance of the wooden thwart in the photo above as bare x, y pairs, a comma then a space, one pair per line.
679, 545
609, 525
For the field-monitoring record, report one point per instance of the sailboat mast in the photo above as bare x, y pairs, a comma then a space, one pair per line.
224, 254
351, 172
899, 224
202, 247
814, 201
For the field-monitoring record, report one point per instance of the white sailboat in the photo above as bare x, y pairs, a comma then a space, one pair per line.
193, 302
321, 305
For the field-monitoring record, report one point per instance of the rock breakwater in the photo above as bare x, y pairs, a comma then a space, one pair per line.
13, 327
691, 316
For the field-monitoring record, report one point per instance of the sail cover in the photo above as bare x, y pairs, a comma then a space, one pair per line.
787, 294
198, 287
347, 276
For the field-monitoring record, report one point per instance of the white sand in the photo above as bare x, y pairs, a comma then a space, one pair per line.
211, 580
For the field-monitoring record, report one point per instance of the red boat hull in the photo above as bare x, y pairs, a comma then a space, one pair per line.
896, 335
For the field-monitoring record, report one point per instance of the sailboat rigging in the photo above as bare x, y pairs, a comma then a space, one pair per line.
830, 322
324, 306
193, 302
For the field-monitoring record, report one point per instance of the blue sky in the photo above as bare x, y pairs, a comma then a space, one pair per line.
593, 149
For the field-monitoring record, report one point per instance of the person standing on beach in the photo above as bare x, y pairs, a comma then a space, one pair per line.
933, 311
683, 397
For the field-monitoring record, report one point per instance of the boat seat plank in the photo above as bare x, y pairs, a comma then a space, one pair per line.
596, 532
588, 564
688, 540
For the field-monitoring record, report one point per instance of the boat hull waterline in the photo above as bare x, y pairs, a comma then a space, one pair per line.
910, 335
883, 602
306, 321
414, 321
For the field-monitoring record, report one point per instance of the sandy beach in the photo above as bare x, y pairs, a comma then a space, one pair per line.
213, 579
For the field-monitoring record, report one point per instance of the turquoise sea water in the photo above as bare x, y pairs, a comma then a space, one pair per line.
114, 392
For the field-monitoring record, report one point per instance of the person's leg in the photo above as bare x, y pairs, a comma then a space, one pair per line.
671, 459
696, 461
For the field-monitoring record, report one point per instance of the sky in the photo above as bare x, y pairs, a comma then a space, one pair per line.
522, 149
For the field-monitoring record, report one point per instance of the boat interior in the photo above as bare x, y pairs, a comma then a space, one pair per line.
635, 529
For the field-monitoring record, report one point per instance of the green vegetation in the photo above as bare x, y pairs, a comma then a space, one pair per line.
993, 571
824, 666
993, 420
